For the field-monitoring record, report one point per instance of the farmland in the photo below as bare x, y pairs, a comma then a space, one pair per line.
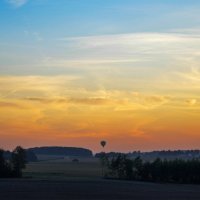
61, 179
94, 189
64, 169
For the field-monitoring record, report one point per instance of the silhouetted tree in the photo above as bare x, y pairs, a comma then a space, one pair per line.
2, 163
104, 163
18, 160
137, 168
121, 167
5, 167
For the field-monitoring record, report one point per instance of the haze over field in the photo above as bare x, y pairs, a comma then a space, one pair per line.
75, 72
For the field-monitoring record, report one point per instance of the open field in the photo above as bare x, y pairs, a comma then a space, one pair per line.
63, 179
64, 169
94, 189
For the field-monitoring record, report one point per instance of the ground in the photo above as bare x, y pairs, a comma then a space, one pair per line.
94, 190
64, 168
65, 180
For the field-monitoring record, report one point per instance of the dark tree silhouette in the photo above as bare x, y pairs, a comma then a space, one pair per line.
11, 166
2, 163
18, 160
174, 171
121, 167
5, 167
104, 159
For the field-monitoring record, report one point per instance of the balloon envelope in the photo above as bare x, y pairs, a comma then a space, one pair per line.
103, 143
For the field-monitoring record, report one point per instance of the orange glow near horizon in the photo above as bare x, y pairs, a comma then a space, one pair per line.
51, 111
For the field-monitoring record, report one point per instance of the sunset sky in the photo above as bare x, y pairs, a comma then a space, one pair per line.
75, 72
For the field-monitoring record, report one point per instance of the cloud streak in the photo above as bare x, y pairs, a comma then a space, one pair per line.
131, 49
9, 105
17, 3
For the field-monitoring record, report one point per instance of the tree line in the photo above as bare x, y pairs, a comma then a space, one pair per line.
12, 167
158, 170
168, 154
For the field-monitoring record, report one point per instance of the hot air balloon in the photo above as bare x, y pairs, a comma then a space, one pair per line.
103, 143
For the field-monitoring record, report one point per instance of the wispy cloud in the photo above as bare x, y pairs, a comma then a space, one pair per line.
133, 47
129, 39
8, 105
84, 101
17, 3
191, 102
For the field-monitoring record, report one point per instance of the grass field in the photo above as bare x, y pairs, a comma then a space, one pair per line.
64, 169
66, 180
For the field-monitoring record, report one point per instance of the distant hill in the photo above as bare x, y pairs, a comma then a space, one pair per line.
30, 156
62, 151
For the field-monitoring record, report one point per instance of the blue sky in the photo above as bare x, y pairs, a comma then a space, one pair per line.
91, 17
32, 30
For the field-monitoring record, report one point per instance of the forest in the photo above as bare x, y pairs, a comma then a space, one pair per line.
158, 170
